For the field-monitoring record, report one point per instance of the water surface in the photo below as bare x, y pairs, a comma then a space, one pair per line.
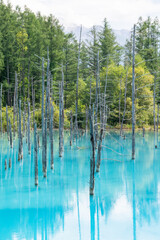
125, 205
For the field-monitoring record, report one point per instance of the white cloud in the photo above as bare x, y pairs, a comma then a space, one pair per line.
121, 14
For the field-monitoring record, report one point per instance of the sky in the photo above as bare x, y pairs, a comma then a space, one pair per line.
121, 14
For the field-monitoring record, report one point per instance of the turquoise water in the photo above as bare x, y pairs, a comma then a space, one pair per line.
126, 204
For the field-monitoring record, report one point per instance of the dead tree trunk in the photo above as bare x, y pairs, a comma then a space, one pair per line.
46, 119
7, 121
51, 138
96, 112
90, 94
28, 128
10, 133
61, 115
20, 154
154, 103
157, 122
33, 102
35, 154
92, 154
76, 122
71, 128
86, 119
43, 127
99, 150
120, 102
133, 97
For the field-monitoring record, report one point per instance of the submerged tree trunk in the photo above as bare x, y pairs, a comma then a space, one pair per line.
92, 154
35, 154
99, 150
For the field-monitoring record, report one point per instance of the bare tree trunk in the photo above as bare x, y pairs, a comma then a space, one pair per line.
20, 154
33, 102
92, 154
35, 154
76, 123
51, 137
29, 141
46, 118
96, 112
99, 150
120, 102
43, 127
7, 121
157, 123
10, 133
8, 92
61, 116
154, 103
86, 119
16, 99
90, 100
133, 97
14, 114
71, 128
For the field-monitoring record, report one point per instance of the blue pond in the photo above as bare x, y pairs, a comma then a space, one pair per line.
125, 206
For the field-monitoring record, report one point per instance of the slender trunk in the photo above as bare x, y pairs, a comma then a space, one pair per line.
20, 154
35, 154
10, 133
92, 154
86, 119
29, 141
46, 119
33, 102
8, 81
96, 112
43, 150
133, 97
120, 102
71, 128
76, 122
51, 137
61, 116
157, 123
99, 150
14, 115
7, 121
90, 100
154, 103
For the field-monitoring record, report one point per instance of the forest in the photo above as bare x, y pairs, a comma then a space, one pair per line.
26, 37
